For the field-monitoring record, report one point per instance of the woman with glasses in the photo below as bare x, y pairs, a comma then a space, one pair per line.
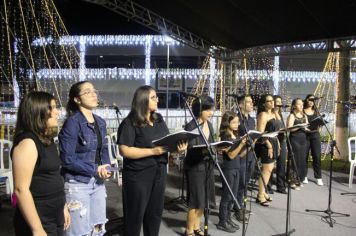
313, 139
298, 140
145, 166
36, 169
198, 166
85, 161
268, 148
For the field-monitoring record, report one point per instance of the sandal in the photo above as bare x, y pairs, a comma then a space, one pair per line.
186, 234
262, 203
268, 198
199, 232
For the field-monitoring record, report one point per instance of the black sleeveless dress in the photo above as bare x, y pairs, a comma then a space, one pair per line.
271, 126
298, 141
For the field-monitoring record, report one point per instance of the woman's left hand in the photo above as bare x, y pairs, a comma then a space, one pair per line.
67, 219
182, 146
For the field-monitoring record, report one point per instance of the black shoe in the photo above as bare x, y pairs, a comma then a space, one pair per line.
282, 191
233, 224
225, 227
240, 216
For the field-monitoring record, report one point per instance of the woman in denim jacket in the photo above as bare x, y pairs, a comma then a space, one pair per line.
85, 161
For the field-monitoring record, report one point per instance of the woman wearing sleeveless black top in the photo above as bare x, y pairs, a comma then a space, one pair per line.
39, 187
268, 149
313, 139
298, 138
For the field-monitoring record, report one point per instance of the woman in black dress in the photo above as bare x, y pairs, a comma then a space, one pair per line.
198, 166
145, 166
298, 140
313, 139
268, 148
281, 160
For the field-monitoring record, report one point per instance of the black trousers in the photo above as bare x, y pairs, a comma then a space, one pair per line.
51, 215
314, 146
143, 199
281, 166
232, 178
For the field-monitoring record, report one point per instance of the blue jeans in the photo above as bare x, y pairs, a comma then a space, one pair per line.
87, 207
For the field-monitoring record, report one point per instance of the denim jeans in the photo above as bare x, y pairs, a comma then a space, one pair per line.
87, 207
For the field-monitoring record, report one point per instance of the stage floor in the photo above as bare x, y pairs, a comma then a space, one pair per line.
263, 220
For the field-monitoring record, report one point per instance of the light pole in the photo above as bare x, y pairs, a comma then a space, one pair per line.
168, 41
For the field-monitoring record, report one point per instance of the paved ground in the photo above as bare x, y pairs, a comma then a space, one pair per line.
263, 221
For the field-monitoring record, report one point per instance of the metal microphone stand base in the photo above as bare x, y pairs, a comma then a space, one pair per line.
328, 218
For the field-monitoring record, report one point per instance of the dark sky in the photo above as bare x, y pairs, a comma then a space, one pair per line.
82, 18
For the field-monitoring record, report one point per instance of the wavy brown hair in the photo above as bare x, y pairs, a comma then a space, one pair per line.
33, 114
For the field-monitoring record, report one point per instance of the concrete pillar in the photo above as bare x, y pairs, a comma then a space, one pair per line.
342, 115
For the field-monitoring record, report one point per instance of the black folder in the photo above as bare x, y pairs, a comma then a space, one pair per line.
171, 140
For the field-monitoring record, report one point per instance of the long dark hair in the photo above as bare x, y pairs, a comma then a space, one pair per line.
139, 106
275, 97
207, 103
33, 114
261, 103
305, 104
294, 102
225, 124
74, 92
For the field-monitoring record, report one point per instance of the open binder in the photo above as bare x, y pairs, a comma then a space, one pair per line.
318, 121
171, 140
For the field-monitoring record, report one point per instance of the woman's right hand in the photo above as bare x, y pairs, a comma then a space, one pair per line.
159, 150
103, 172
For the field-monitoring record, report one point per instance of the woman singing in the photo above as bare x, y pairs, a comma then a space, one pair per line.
198, 166
85, 159
268, 148
145, 166
298, 140
313, 139
231, 170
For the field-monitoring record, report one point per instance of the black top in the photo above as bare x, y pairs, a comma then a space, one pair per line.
249, 122
196, 156
100, 144
298, 121
227, 162
250, 125
313, 126
46, 179
142, 137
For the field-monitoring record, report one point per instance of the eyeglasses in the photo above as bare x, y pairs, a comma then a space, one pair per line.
90, 92
155, 98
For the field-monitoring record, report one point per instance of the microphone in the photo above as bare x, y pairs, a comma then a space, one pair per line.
346, 102
185, 94
116, 108
282, 106
314, 99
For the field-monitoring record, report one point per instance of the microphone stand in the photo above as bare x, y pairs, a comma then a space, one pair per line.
250, 144
211, 157
328, 211
290, 158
